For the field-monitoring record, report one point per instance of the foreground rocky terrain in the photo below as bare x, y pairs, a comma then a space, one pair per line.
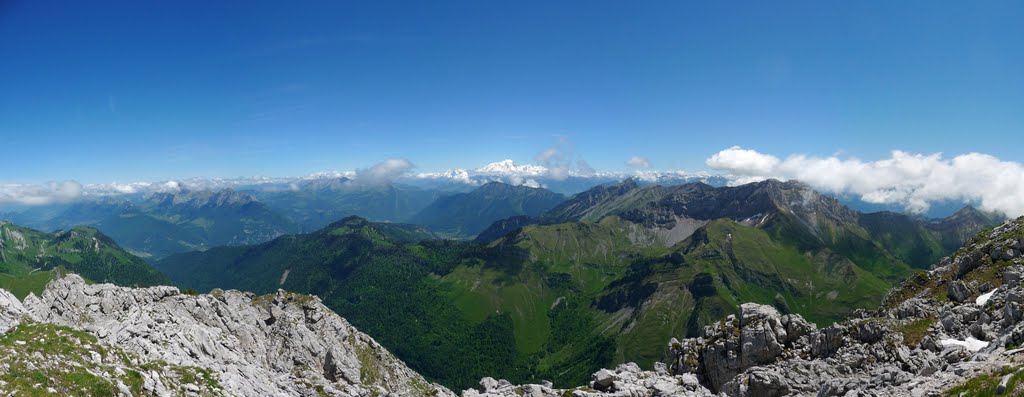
954, 330
79, 339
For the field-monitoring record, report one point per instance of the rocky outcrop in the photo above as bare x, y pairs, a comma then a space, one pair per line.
626, 380
11, 311
959, 319
276, 345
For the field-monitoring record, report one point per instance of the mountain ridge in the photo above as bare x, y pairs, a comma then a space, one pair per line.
467, 214
570, 297
30, 258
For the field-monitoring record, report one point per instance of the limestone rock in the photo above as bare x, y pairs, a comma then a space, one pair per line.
958, 291
282, 344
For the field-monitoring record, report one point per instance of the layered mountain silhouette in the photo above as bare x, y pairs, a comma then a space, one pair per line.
606, 276
467, 214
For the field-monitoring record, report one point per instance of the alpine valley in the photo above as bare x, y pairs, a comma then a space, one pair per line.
603, 277
554, 291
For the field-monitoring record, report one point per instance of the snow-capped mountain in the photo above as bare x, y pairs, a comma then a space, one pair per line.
570, 182
509, 167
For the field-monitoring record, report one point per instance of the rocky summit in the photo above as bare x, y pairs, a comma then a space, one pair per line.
109, 340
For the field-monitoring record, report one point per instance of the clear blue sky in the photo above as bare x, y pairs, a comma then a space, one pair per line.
138, 90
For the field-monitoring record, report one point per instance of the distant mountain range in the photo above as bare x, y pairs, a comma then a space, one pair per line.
467, 214
454, 204
568, 182
165, 223
315, 203
160, 224
605, 276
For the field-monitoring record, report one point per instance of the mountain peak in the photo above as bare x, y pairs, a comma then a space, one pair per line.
969, 212
352, 221
968, 215
508, 166
327, 183
496, 186
791, 184
199, 198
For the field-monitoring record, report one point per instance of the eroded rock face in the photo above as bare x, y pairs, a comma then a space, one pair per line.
11, 311
277, 345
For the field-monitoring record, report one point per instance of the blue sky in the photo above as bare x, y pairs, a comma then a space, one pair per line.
125, 91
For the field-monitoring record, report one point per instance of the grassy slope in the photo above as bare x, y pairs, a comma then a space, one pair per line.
29, 257
21, 284
722, 266
148, 236
553, 301
42, 357
906, 238
566, 260
365, 273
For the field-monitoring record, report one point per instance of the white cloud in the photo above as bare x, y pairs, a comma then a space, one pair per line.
584, 169
741, 161
914, 181
559, 160
40, 194
383, 171
549, 154
638, 162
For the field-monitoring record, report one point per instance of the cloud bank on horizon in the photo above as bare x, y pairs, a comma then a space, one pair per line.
40, 194
383, 172
914, 181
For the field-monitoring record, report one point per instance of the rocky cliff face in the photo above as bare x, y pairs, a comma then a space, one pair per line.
159, 341
960, 321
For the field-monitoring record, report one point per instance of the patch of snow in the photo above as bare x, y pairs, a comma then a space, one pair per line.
971, 343
985, 297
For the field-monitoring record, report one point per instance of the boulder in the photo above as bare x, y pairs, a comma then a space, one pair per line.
603, 379
958, 291
1011, 276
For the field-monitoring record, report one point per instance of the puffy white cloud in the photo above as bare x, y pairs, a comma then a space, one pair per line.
741, 161
911, 180
559, 161
47, 193
454, 175
638, 162
549, 154
383, 171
